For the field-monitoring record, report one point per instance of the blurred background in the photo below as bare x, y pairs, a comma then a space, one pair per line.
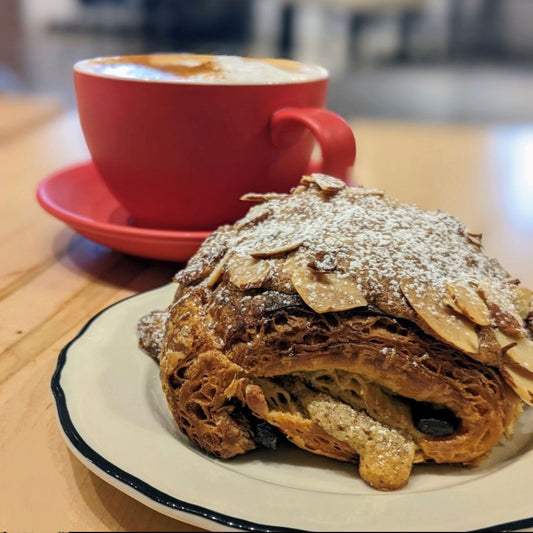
427, 60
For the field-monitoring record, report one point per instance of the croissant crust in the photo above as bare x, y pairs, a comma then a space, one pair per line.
354, 325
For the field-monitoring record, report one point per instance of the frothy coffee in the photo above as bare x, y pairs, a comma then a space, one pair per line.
209, 69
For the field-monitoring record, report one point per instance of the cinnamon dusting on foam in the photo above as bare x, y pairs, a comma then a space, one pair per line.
202, 68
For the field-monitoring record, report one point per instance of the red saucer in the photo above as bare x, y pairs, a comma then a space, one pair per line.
78, 196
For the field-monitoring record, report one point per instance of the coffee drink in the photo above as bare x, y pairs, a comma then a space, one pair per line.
178, 138
189, 68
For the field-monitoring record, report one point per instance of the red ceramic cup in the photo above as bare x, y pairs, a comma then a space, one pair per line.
179, 152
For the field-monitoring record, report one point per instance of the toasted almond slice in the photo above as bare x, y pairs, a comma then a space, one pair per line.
523, 298
324, 182
468, 303
517, 351
506, 342
504, 313
520, 382
451, 327
276, 249
448, 300
285, 267
474, 238
217, 272
364, 191
490, 352
247, 272
261, 197
256, 214
201, 264
327, 292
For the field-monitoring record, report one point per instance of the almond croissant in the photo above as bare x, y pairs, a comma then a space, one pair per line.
354, 325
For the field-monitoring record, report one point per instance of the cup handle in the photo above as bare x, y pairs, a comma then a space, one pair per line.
334, 136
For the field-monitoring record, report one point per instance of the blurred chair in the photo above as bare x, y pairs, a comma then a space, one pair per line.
485, 37
360, 13
184, 22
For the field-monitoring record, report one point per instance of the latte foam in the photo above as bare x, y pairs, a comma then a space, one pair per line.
208, 69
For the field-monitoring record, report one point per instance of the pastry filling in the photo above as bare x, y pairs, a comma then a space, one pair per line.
376, 425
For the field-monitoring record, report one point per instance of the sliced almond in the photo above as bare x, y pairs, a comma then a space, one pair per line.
468, 303
451, 327
520, 382
255, 215
202, 263
505, 341
324, 182
278, 248
518, 352
217, 272
503, 311
285, 268
450, 302
364, 191
261, 197
490, 352
247, 272
474, 238
327, 292
523, 298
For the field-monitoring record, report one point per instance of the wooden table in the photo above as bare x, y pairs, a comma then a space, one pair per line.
52, 281
20, 113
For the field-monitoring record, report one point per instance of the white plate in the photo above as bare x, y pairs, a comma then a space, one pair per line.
115, 420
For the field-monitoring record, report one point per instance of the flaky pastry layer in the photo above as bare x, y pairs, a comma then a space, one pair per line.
356, 326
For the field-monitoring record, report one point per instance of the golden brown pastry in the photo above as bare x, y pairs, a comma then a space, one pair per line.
358, 327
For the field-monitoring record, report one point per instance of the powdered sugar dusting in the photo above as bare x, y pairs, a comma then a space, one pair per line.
382, 247
151, 331
372, 237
